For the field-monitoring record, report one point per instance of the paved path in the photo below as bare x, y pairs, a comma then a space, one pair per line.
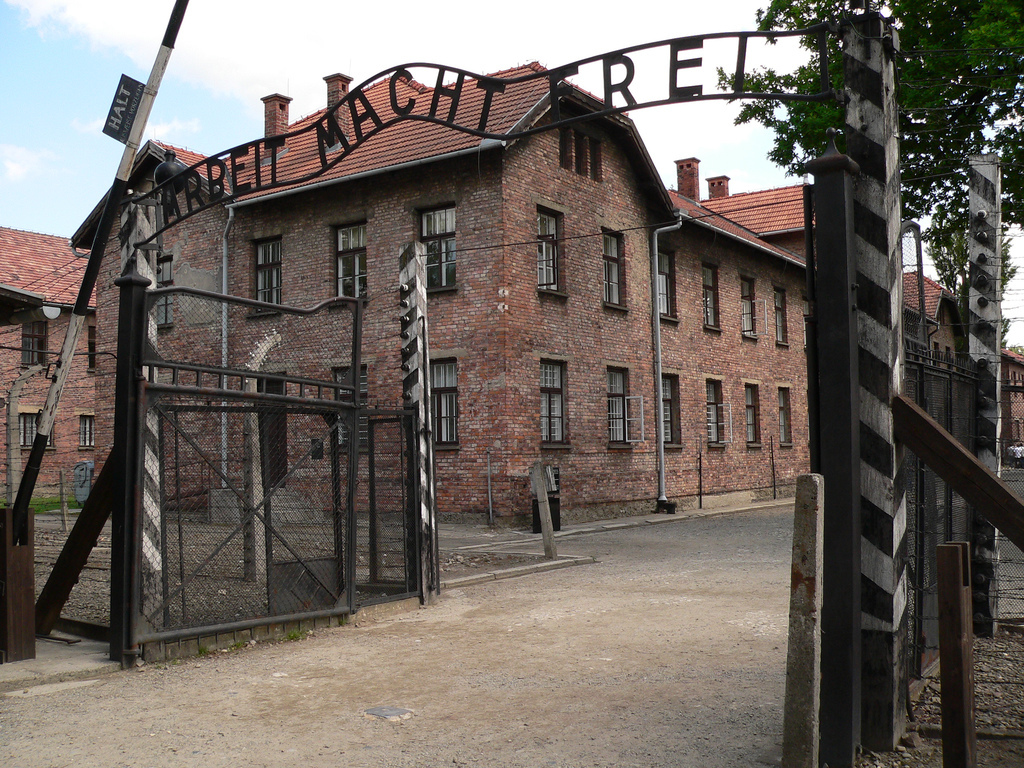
669, 650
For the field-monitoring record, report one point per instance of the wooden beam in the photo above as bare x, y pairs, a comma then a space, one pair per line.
76, 551
956, 665
978, 484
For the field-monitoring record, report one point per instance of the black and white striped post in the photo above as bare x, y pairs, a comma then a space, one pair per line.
985, 320
416, 393
870, 45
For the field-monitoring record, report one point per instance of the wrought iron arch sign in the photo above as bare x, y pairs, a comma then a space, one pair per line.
253, 166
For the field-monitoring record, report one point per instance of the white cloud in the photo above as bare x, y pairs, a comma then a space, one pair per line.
89, 127
170, 131
19, 163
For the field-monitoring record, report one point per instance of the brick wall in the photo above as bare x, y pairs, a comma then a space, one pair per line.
498, 326
78, 400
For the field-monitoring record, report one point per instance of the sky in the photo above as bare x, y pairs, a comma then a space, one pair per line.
60, 62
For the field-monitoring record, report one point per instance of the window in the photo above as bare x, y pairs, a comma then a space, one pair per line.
86, 431
565, 143
595, 160
747, 299
710, 295
781, 328
666, 285
785, 417
613, 271
716, 421
753, 413
341, 375
164, 277
616, 405
91, 346
444, 397
582, 156
352, 261
552, 402
268, 272
625, 412
33, 343
548, 232
670, 409
437, 231
27, 429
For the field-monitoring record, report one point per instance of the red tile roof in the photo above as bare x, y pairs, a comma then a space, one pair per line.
412, 140
702, 213
764, 212
933, 294
43, 264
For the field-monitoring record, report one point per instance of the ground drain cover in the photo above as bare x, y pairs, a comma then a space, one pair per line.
394, 714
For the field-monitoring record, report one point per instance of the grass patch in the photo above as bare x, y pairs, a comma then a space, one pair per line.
48, 504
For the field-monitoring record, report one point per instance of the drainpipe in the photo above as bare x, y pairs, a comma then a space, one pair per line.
656, 331
224, 344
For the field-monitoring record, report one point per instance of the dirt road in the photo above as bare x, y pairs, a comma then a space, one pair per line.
670, 651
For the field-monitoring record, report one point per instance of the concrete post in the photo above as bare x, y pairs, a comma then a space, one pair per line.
870, 47
803, 662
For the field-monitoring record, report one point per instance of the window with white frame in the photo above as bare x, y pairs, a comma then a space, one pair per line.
268, 271
552, 402
27, 423
437, 232
752, 404
444, 396
709, 273
342, 375
747, 304
613, 268
548, 232
617, 392
781, 325
716, 413
86, 430
352, 260
785, 417
666, 284
670, 409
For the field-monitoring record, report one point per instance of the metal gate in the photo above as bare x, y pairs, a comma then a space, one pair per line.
945, 385
267, 491
1009, 574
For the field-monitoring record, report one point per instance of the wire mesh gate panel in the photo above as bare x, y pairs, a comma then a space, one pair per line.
1009, 576
945, 386
255, 504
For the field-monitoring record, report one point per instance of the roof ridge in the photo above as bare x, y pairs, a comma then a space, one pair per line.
753, 192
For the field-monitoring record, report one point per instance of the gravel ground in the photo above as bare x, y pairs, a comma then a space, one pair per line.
999, 662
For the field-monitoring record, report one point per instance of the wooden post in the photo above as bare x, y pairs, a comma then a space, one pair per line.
539, 481
803, 662
17, 578
956, 657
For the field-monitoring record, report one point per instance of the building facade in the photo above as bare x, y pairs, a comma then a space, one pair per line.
542, 295
42, 275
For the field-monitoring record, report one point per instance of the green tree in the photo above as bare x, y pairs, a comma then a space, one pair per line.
960, 91
949, 252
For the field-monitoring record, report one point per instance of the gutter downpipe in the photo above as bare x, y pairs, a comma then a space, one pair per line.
224, 343
656, 332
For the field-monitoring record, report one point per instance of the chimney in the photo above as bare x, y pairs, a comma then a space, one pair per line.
718, 186
337, 88
688, 177
275, 114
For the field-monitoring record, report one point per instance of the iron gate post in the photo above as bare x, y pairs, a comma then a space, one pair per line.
838, 380
131, 324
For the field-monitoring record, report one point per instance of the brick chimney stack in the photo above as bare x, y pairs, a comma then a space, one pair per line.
275, 114
688, 177
337, 88
718, 186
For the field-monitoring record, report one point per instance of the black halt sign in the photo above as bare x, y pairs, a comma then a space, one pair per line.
122, 112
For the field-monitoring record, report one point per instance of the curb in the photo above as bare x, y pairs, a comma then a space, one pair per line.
519, 570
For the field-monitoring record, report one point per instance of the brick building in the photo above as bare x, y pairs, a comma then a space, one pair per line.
540, 302
39, 280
